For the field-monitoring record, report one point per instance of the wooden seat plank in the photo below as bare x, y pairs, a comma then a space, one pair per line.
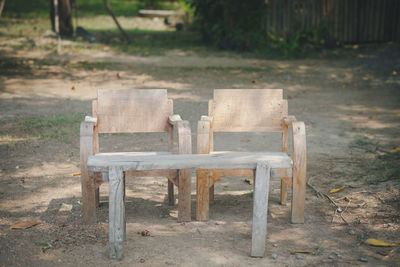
217, 160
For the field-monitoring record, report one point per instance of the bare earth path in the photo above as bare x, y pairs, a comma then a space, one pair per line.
351, 107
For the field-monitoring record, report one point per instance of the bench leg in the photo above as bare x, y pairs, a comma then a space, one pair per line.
260, 210
116, 213
202, 195
184, 195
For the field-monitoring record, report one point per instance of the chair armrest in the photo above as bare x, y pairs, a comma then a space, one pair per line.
289, 120
174, 119
91, 119
206, 118
184, 134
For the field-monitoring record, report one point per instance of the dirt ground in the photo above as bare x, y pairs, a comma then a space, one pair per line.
351, 107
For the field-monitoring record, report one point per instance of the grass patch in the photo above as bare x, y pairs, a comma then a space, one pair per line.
145, 43
41, 8
59, 126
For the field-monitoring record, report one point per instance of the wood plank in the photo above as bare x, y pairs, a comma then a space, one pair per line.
202, 195
260, 210
299, 172
87, 180
172, 120
244, 110
185, 175
216, 160
116, 213
133, 111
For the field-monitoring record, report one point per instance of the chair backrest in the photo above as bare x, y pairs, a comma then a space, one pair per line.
132, 111
248, 110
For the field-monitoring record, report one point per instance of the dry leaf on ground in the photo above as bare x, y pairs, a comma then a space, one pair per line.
333, 191
379, 243
24, 224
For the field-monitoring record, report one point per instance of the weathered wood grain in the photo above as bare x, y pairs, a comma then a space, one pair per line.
260, 209
215, 160
133, 111
248, 110
299, 172
116, 213
87, 180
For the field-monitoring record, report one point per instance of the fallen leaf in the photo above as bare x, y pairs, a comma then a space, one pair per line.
118, 75
24, 224
73, 88
394, 150
302, 251
254, 81
394, 73
76, 174
245, 140
379, 243
333, 191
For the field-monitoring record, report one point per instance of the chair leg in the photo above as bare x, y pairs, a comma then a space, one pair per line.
283, 192
171, 198
88, 198
184, 195
202, 195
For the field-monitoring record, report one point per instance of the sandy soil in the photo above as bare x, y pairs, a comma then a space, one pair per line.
351, 107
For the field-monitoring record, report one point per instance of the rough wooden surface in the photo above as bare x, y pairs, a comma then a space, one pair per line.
202, 195
216, 160
87, 180
116, 213
248, 110
133, 111
260, 210
185, 175
299, 172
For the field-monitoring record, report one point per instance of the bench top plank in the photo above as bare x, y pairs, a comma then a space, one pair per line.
129, 161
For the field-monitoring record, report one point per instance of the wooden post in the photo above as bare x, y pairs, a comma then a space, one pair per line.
203, 176
284, 149
299, 172
202, 195
116, 213
185, 175
87, 180
260, 209
171, 198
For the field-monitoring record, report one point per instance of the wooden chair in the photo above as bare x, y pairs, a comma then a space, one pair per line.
133, 111
252, 110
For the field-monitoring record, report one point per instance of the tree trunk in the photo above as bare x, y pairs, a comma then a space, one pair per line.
65, 18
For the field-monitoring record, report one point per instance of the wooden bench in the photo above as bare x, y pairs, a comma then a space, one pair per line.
115, 164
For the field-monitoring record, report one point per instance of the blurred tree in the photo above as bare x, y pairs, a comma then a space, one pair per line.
64, 15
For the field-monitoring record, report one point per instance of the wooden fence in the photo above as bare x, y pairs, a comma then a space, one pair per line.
347, 21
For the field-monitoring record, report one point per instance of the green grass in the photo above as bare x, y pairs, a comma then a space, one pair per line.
58, 126
41, 8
